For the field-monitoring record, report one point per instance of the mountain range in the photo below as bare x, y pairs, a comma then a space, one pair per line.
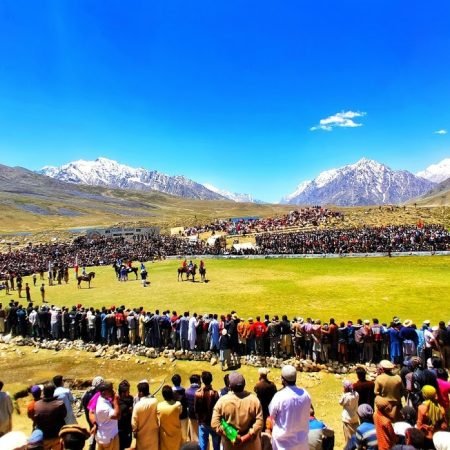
366, 182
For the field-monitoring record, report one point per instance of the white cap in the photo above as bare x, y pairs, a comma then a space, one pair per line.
289, 373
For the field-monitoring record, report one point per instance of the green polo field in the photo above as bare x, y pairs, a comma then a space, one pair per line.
416, 288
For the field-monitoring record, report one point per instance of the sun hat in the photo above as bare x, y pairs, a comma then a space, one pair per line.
300, 320
407, 323
386, 364
224, 332
367, 322
263, 371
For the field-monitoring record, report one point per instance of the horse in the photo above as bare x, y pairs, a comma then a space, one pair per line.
202, 272
90, 276
118, 268
134, 270
188, 271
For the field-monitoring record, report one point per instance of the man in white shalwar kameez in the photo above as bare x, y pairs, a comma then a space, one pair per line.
289, 410
192, 331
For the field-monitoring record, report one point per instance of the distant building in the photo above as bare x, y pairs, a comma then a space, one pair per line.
130, 233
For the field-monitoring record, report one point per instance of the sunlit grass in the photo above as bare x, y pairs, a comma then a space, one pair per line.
346, 288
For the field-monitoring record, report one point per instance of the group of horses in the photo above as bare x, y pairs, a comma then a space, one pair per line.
190, 272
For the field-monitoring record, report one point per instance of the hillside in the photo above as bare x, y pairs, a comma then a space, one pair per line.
439, 196
33, 202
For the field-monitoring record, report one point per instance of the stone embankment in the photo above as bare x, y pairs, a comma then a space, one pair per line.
125, 352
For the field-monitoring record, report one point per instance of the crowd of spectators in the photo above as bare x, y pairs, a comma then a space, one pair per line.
106, 251
228, 335
356, 240
406, 407
309, 216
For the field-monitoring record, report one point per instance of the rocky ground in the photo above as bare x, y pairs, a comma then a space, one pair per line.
138, 354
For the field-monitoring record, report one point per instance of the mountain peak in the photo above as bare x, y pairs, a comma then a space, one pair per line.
107, 172
436, 172
366, 182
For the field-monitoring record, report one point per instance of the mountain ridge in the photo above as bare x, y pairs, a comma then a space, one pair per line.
366, 182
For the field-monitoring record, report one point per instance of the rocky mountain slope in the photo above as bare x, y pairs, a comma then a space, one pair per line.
366, 182
106, 172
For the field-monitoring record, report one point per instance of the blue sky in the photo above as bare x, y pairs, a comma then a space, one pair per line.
231, 93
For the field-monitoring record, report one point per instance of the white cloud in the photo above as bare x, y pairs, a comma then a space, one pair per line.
441, 132
342, 119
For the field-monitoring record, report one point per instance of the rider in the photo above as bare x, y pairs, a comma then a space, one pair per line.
202, 264
184, 264
142, 266
83, 272
191, 265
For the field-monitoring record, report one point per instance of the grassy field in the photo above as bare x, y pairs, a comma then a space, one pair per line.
411, 287
347, 288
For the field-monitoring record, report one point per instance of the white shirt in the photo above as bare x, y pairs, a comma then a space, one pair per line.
32, 318
290, 411
349, 403
66, 396
107, 428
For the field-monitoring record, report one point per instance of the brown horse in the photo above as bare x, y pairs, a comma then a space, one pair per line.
188, 271
90, 276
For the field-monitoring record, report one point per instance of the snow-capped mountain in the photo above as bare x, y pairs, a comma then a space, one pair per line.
106, 172
366, 182
436, 172
234, 196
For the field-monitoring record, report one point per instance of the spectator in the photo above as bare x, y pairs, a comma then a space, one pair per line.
364, 388
6, 410
290, 409
430, 415
389, 386
382, 419
205, 400
194, 379
265, 391
126, 408
241, 410
73, 437
349, 403
145, 419
106, 415
49, 414
168, 412
64, 394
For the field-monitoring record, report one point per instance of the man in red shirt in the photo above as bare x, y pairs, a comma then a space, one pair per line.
259, 329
